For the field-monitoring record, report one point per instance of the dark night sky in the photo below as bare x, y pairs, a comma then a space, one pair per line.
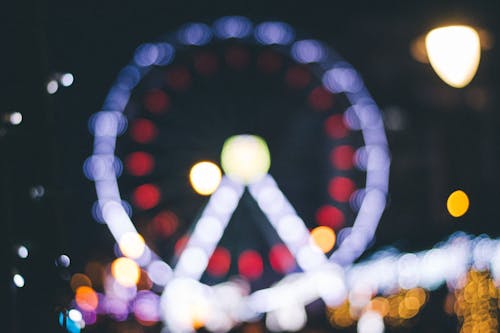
447, 140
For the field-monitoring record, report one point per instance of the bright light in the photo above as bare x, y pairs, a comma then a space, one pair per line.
22, 252
75, 315
52, 87
205, 177
454, 53
323, 237
18, 280
245, 158
125, 271
67, 79
132, 245
371, 322
86, 298
457, 203
15, 118
63, 260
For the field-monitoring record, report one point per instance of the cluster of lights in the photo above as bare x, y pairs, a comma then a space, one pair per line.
389, 289
476, 303
362, 307
59, 79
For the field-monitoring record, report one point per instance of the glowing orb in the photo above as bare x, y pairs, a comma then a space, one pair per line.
323, 237
205, 177
125, 271
132, 245
454, 53
457, 203
245, 158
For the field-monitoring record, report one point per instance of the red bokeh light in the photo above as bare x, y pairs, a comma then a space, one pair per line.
143, 131
165, 224
320, 99
342, 157
180, 245
250, 264
139, 163
156, 101
219, 262
281, 259
269, 61
297, 77
206, 63
330, 216
237, 57
146, 196
179, 78
335, 127
341, 188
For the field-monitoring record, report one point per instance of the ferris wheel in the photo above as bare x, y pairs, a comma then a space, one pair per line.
305, 164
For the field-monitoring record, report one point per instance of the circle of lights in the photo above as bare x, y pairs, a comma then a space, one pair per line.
337, 76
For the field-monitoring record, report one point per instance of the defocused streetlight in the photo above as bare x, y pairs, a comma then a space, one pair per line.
453, 51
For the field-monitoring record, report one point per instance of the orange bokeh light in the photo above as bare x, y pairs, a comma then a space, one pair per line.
86, 298
323, 237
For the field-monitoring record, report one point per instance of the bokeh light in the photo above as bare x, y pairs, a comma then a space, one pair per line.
18, 280
146, 196
164, 224
457, 203
79, 280
250, 264
67, 79
280, 258
143, 131
454, 53
156, 101
15, 118
341, 188
245, 158
52, 87
139, 163
330, 216
86, 298
323, 237
125, 271
219, 262
22, 252
205, 177
132, 245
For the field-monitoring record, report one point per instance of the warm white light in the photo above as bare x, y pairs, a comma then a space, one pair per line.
454, 53
18, 280
245, 158
132, 245
22, 252
75, 315
15, 118
67, 79
52, 86
205, 177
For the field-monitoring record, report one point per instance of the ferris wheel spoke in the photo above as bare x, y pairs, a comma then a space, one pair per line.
209, 229
289, 226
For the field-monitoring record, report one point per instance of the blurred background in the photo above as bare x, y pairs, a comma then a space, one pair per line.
441, 138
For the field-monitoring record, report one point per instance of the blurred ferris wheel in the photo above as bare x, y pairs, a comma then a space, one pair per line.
302, 148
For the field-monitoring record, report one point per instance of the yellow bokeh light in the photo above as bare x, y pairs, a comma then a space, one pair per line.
457, 203
205, 177
454, 53
125, 271
245, 158
323, 237
132, 245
